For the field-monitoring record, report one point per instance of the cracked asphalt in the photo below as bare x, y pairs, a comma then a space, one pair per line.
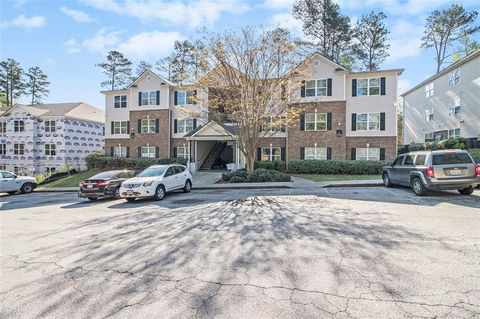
271, 253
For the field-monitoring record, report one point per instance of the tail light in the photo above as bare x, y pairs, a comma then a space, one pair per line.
81, 184
102, 183
430, 172
477, 170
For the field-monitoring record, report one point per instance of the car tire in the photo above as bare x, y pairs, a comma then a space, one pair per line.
386, 180
466, 191
92, 198
116, 193
12, 193
27, 188
418, 187
188, 186
130, 199
159, 193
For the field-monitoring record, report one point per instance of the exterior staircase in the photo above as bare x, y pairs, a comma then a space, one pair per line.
216, 150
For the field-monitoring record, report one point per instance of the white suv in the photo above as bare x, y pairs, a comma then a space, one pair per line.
156, 181
11, 183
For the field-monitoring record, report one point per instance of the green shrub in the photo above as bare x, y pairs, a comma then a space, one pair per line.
335, 167
237, 179
98, 162
260, 175
270, 165
226, 177
280, 177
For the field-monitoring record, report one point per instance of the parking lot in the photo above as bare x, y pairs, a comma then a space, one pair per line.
270, 253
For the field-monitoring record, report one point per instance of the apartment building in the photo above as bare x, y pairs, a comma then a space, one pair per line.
343, 115
44, 138
446, 105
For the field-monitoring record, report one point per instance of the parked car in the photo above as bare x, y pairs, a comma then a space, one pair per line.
11, 183
434, 170
105, 184
155, 181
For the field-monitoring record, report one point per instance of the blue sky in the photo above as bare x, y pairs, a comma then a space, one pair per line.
67, 38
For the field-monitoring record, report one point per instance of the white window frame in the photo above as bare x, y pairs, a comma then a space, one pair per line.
429, 115
315, 153
269, 154
3, 149
365, 154
3, 127
369, 86
148, 127
184, 126
148, 97
370, 124
319, 87
453, 78
50, 149
429, 90
429, 136
119, 151
50, 128
317, 120
18, 149
454, 107
19, 126
182, 152
120, 101
454, 133
185, 96
120, 127
146, 151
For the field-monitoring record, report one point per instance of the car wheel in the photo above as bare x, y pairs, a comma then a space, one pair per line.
116, 194
27, 188
418, 187
466, 191
92, 198
12, 193
159, 193
386, 180
188, 186
130, 199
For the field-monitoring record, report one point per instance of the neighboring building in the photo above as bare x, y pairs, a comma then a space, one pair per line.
446, 105
40, 138
345, 115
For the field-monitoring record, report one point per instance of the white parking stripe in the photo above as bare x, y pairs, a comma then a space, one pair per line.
404, 197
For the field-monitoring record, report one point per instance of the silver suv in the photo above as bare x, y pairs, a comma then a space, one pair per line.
433, 170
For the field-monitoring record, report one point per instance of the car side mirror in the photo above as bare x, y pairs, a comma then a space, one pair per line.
14, 176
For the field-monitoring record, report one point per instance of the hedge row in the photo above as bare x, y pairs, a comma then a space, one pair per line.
271, 165
335, 167
451, 143
95, 161
260, 175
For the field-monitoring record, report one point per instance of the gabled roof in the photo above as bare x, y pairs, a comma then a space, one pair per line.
220, 128
151, 73
324, 58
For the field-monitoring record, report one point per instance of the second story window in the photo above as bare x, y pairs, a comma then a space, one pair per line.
3, 127
120, 101
429, 90
185, 126
49, 126
453, 78
271, 153
368, 86
50, 149
18, 149
368, 122
3, 149
315, 121
148, 98
148, 126
19, 126
185, 97
454, 133
429, 115
316, 87
453, 107
119, 127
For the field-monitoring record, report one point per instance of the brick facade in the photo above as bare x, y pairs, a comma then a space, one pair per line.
112, 142
160, 139
389, 143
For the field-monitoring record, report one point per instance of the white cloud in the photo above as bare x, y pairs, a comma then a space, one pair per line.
72, 46
149, 44
76, 15
405, 40
102, 40
192, 14
25, 22
278, 4
287, 21
49, 61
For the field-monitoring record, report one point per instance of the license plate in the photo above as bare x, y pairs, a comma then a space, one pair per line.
129, 192
89, 186
455, 172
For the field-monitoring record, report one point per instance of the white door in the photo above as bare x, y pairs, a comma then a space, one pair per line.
9, 182
169, 179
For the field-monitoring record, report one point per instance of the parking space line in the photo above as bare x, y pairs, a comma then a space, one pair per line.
406, 197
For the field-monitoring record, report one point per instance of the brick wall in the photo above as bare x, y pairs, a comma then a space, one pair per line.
160, 139
389, 143
112, 142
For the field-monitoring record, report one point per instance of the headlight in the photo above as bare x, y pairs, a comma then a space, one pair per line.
147, 183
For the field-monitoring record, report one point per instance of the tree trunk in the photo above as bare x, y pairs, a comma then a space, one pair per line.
250, 161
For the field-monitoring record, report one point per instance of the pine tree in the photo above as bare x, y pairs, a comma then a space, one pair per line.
118, 69
37, 85
142, 67
12, 83
165, 67
183, 60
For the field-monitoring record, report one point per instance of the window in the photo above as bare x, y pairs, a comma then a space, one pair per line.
429, 137
179, 169
420, 159
184, 126
149, 98
315, 153
149, 151
16, 169
120, 127
454, 107
185, 97
316, 87
18, 149
316, 122
453, 78
119, 151
3, 127
19, 126
271, 153
50, 170
368, 86
429, 90
408, 160
50, 149
455, 133
451, 158
50, 126
398, 160
120, 101
367, 154
3, 149
3, 168
429, 115
149, 126
182, 152
439, 136
368, 122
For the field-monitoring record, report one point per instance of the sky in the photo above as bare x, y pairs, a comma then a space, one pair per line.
67, 38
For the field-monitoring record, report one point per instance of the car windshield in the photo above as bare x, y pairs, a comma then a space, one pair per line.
451, 158
104, 175
152, 171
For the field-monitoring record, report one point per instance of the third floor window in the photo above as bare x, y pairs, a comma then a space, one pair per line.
49, 126
3, 127
429, 90
453, 78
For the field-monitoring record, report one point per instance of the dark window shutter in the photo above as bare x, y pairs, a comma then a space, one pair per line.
128, 151
382, 121
175, 152
329, 121
329, 87
139, 150
282, 153
157, 125
157, 152
139, 126
302, 153
128, 127
175, 98
353, 155
302, 89
194, 96
329, 153
175, 126
139, 98
111, 151
283, 128
111, 127
194, 123
354, 87
382, 85
382, 154
259, 154
158, 98
302, 122
354, 121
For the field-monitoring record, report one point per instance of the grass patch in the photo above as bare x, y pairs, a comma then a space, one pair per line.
330, 178
70, 181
